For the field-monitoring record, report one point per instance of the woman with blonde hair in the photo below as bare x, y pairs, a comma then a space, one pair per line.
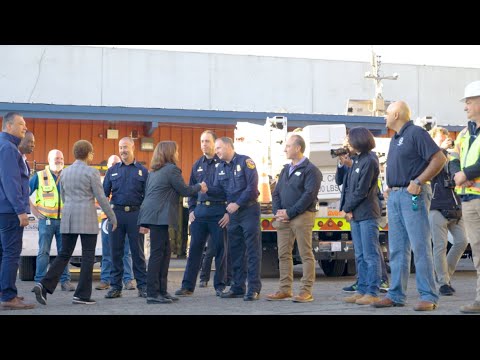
160, 210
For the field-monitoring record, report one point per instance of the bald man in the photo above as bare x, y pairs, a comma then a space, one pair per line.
47, 208
413, 159
125, 182
106, 253
26, 147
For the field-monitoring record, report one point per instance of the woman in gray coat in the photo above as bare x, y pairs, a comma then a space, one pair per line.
80, 186
159, 210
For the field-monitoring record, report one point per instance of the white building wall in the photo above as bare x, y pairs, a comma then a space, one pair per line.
73, 75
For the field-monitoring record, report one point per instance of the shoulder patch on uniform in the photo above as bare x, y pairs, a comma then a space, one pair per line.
250, 164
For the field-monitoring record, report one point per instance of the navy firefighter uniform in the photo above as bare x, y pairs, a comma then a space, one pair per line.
126, 184
208, 209
239, 179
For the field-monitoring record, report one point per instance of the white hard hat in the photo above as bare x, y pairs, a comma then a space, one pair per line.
471, 90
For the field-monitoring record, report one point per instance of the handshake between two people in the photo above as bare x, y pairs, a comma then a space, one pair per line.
204, 188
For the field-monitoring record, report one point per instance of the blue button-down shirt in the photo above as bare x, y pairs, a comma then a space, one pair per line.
204, 170
126, 183
239, 179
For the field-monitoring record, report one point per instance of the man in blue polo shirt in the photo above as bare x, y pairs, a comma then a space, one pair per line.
125, 181
413, 159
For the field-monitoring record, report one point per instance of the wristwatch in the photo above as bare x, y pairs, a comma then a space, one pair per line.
417, 182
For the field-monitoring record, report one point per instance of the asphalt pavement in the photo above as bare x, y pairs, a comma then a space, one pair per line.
327, 293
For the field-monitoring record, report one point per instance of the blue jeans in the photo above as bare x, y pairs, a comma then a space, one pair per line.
107, 258
367, 255
10, 248
409, 229
45, 237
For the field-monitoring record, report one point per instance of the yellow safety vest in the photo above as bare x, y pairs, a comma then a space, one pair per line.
48, 200
468, 156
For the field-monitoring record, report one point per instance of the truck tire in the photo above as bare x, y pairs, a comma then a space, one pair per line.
27, 268
270, 264
333, 268
350, 269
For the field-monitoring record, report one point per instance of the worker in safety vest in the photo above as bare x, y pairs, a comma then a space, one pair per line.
466, 167
47, 208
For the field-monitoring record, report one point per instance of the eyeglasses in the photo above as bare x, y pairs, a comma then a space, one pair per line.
414, 202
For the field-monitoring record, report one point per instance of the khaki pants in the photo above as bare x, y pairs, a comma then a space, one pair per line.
300, 229
471, 218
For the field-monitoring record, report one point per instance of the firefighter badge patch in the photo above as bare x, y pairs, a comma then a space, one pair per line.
250, 164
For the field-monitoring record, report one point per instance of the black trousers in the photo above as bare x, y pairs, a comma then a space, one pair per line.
84, 287
159, 261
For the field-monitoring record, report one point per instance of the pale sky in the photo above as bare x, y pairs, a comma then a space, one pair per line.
441, 55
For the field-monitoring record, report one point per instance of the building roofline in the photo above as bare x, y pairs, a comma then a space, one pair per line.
186, 116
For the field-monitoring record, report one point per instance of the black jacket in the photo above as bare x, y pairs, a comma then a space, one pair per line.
360, 193
298, 192
443, 197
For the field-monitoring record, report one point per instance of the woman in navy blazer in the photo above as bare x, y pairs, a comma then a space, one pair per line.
159, 210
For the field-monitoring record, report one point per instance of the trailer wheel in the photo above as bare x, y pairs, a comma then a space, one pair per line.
27, 268
333, 268
350, 269
270, 263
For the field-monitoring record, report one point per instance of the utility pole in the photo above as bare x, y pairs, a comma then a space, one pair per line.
378, 108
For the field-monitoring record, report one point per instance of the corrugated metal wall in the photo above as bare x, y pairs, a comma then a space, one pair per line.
62, 134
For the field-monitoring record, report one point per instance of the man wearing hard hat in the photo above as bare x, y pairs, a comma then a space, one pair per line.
465, 165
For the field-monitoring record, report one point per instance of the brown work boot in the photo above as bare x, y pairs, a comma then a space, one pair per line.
279, 295
386, 302
129, 285
16, 304
67, 286
353, 299
471, 308
102, 286
20, 297
303, 297
425, 306
367, 300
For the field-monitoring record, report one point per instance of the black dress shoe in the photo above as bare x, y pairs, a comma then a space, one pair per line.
158, 300
170, 296
230, 295
251, 296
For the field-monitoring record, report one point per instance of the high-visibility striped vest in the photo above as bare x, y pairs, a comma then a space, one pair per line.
468, 156
48, 200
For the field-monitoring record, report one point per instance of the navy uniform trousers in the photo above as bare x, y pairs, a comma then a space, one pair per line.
204, 225
244, 238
